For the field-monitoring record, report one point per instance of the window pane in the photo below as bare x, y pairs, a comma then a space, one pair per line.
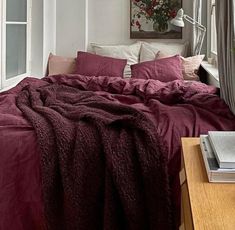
15, 50
213, 36
213, 29
16, 10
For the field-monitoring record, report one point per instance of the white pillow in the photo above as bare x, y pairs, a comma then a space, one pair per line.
129, 52
149, 51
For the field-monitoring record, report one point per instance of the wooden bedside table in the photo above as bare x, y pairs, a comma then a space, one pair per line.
205, 206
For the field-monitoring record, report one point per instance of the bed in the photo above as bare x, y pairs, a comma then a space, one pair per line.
94, 150
96, 185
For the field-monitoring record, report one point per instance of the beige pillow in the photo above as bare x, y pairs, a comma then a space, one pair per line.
190, 67
129, 52
61, 65
149, 51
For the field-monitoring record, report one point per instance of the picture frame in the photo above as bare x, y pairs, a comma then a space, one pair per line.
150, 19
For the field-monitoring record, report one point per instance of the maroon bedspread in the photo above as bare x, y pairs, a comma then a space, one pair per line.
176, 108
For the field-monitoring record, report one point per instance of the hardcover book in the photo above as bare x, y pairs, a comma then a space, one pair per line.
214, 172
223, 145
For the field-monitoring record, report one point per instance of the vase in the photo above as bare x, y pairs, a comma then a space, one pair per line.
160, 27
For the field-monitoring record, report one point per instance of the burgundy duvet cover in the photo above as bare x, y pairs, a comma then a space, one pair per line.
177, 109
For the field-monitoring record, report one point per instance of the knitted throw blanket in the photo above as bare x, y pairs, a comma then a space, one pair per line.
102, 163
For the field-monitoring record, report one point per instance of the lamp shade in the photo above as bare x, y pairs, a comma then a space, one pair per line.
179, 19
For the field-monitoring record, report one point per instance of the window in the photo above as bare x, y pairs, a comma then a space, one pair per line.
213, 28
15, 41
212, 36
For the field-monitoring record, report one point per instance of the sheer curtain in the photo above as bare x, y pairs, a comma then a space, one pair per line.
226, 53
197, 34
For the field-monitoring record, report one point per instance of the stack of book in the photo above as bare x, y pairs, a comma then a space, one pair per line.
218, 151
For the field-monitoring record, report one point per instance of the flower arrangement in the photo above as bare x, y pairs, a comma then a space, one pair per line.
157, 11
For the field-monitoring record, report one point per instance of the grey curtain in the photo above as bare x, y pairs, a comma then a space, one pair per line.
226, 53
197, 34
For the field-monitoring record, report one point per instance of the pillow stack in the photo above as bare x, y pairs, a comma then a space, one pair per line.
155, 52
160, 61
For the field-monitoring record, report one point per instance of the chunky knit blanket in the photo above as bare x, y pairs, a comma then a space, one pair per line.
102, 165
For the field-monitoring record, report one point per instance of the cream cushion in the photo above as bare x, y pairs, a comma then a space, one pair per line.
149, 51
190, 67
129, 52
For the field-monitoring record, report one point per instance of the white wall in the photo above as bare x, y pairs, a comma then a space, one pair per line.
80, 22
49, 30
109, 21
71, 28
43, 40
37, 38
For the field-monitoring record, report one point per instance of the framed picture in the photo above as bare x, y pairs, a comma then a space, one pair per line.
151, 19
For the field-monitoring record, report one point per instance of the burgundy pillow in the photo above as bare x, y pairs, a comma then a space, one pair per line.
95, 65
165, 69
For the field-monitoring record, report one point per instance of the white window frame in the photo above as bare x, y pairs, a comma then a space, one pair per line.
14, 80
210, 52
